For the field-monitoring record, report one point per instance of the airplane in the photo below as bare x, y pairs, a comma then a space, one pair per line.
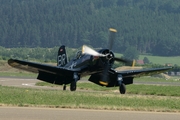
88, 62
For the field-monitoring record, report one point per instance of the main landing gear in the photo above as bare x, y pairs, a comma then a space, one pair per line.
122, 87
64, 87
73, 86
73, 83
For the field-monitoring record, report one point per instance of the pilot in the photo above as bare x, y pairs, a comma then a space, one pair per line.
78, 55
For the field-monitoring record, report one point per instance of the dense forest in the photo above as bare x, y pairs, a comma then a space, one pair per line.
151, 26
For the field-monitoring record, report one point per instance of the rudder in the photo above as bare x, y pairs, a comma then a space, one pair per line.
62, 57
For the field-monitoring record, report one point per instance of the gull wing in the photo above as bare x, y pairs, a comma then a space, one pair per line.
38, 67
143, 72
127, 75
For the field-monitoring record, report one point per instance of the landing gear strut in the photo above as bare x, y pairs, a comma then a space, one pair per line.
73, 83
122, 87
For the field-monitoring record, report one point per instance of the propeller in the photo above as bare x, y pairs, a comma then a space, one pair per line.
127, 62
90, 51
105, 74
111, 37
108, 56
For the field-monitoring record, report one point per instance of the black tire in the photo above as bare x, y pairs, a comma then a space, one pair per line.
73, 86
64, 87
122, 88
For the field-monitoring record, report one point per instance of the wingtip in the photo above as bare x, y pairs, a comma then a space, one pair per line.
10, 61
171, 67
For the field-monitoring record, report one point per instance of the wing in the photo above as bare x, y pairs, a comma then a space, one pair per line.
143, 72
127, 75
37, 67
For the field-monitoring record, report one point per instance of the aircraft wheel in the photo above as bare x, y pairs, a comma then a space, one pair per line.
64, 87
122, 88
73, 86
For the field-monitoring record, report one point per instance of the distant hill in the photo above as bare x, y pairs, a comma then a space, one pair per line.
152, 26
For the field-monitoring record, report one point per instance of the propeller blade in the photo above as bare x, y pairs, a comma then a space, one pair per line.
121, 60
127, 62
111, 37
133, 63
90, 51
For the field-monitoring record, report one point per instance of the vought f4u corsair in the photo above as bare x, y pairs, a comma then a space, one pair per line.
88, 62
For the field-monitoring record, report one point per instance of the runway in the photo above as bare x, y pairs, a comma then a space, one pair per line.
28, 113
27, 82
18, 82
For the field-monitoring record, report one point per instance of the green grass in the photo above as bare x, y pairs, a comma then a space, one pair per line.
157, 90
154, 90
159, 59
157, 79
162, 60
89, 100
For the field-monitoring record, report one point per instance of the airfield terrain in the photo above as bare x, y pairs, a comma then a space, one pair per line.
8, 112
16, 79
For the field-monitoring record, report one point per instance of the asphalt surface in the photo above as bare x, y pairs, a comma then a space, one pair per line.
28, 113
30, 82
18, 82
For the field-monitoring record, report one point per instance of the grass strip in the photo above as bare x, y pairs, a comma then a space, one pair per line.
158, 90
89, 100
175, 79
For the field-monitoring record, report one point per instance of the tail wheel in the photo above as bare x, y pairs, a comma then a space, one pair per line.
73, 86
64, 87
122, 88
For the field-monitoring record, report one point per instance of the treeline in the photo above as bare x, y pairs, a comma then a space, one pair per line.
34, 54
151, 26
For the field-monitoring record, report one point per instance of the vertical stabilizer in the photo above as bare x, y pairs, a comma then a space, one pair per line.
62, 57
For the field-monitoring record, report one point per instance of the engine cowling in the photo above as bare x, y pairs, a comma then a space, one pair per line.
109, 56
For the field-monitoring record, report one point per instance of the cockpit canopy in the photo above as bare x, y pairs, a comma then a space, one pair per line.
78, 54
